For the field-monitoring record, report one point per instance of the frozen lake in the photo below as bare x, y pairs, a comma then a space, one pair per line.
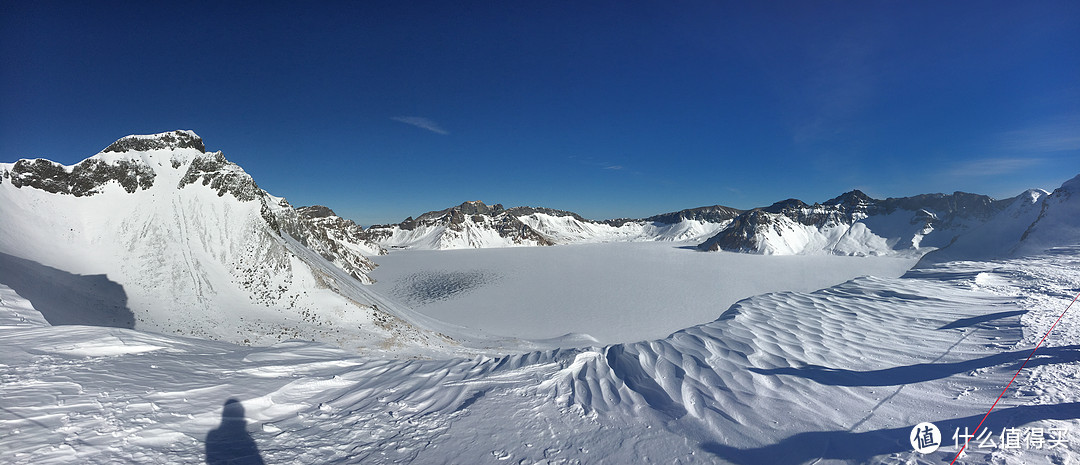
614, 292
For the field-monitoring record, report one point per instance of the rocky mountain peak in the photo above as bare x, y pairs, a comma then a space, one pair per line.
163, 141
789, 204
477, 207
853, 198
315, 211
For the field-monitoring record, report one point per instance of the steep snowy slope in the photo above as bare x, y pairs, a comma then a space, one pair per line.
476, 225
1058, 220
1031, 223
855, 224
187, 243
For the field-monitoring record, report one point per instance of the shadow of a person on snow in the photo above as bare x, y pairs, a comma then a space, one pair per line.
230, 443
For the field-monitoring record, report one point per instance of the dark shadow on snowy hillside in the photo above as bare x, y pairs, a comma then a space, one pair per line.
923, 371
67, 299
976, 320
861, 447
230, 443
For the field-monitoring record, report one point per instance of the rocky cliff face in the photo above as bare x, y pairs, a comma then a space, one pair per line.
855, 224
339, 241
713, 214
469, 225
475, 224
82, 179
163, 141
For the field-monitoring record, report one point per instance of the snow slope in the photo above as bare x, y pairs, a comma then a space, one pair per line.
162, 236
1030, 224
838, 375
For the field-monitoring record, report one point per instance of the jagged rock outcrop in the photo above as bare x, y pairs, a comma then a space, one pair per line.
711, 214
222, 176
472, 224
476, 224
84, 178
162, 141
338, 240
855, 224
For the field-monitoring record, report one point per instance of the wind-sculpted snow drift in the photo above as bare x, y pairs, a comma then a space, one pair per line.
839, 374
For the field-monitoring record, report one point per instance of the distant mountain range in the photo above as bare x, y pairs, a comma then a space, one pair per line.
850, 224
476, 224
186, 231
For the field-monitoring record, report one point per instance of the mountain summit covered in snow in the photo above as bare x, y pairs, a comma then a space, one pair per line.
185, 232
162, 240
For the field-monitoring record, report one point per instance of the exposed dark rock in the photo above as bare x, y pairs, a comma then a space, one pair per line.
850, 199
930, 211
85, 178
167, 140
222, 176
319, 229
503, 221
315, 211
786, 206
712, 214
88, 176
738, 237
40, 174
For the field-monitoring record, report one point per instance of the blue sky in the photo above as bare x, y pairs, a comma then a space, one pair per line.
382, 110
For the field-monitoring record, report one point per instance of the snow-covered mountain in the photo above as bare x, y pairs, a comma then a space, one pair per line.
191, 245
856, 224
469, 225
186, 242
1030, 223
477, 225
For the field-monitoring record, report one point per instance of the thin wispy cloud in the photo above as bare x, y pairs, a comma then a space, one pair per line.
993, 166
1053, 136
422, 123
602, 164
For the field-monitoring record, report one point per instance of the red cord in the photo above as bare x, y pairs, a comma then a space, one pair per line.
1014, 376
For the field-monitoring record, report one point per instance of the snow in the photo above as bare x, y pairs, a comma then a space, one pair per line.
556, 229
693, 358
839, 374
615, 292
182, 259
570, 230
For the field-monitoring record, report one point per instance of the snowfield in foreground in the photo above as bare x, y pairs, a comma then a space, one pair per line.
838, 375
613, 292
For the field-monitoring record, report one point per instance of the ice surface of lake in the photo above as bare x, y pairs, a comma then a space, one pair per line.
615, 292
